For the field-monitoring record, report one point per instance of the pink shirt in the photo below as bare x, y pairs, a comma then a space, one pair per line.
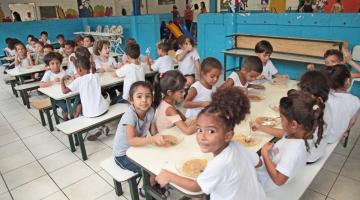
162, 121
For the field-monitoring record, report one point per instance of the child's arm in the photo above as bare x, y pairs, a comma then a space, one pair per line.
165, 177
188, 103
276, 132
64, 89
135, 141
17, 59
28, 56
186, 129
181, 56
197, 69
277, 177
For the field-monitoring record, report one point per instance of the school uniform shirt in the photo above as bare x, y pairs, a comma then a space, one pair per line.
30, 48
187, 65
70, 66
131, 73
202, 94
141, 126
50, 76
237, 83
91, 50
110, 62
269, 70
163, 64
231, 175
343, 107
289, 156
9, 52
92, 102
23, 63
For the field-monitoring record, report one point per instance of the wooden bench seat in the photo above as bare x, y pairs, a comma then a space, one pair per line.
44, 106
120, 175
82, 124
24, 88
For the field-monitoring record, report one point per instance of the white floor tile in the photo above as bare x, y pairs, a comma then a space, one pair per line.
323, 182
56, 196
111, 196
48, 148
38, 139
5, 196
89, 188
355, 153
108, 178
351, 169
6, 129
71, 174
335, 162
18, 160
91, 147
17, 126
36, 189
8, 138
31, 130
345, 189
57, 160
23, 175
3, 187
12, 149
95, 159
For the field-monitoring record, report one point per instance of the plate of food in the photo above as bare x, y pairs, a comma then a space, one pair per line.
246, 141
171, 139
255, 98
267, 121
192, 166
280, 80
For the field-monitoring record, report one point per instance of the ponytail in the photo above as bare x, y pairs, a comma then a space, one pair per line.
157, 90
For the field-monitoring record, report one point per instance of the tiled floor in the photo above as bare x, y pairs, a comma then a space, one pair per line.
37, 164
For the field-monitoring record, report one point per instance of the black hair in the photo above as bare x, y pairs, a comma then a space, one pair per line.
70, 43
52, 56
83, 62
137, 84
253, 63
263, 46
60, 36
172, 80
34, 39
91, 38
336, 75
210, 63
334, 52
229, 105
181, 40
307, 111
8, 39
30, 36
12, 42
99, 45
44, 33
196, 6
315, 83
130, 40
164, 46
132, 50
48, 46
81, 51
19, 43
39, 42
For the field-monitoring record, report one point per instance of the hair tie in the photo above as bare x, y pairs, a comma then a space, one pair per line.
315, 107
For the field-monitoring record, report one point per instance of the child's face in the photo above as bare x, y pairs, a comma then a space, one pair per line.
290, 127
212, 76
47, 50
87, 42
21, 50
264, 57
105, 51
44, 37
210, 134
142, 99
159, 51
177, 96
187, 44
54, 65
251, 75
32, 43
60, 40
29, 40
38, 47
332, 60
68, 49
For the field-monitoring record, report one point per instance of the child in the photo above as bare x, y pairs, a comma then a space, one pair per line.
263, 50
301, 113
124, 56
79, 40
39, 53
188, 60
344, 107
22, 56
44, 38
199, 95
251, 69
103, 60
132, 71
48, 48
10, 49
60, 40
54, 75
164, 63
89, 42
69, 46
172, 86
231, 173
29, 47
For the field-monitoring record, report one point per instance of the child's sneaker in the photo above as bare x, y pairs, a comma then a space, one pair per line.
95, 136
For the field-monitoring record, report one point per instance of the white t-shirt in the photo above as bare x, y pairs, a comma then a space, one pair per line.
91, 50
269, 70
289, 156
50, 76
187, 65
101, 63
237, 83
30, 48
231, 175
131, 74
163, 64
9, 52
196, 14
71, 66
202, 94
23, 63
92, 102
343, 107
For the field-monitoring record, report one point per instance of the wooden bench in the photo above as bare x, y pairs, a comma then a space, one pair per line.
302, 50
23, 90
82, 124
121, 175
44, 106
296, 187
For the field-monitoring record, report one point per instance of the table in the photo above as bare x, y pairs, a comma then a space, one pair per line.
115, 39
152, 159
20, 72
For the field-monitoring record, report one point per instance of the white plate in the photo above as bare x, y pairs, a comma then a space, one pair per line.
179, 137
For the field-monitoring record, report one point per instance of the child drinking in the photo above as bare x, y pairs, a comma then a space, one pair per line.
344, 107
172, 86
231, 173
188, 60
301, 114
199, 95
164, 63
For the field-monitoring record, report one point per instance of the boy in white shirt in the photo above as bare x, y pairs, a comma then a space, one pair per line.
44, 38
263, 50
69, 46
89, 42
132, 71
164, 63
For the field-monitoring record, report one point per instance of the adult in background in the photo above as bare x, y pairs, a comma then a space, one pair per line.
196, 13
17, 17
188, 15
203, 7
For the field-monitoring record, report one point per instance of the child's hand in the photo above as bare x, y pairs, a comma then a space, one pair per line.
189, 48
65, 78
261, 77
119, 65
285, 76
57, 80
266, 148
205, 103
254, 126
163, 178
158, 140
310, 67
28, 55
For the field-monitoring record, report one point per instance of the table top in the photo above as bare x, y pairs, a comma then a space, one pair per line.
20, 71
98, 34
8, 58
154, 158
278, 56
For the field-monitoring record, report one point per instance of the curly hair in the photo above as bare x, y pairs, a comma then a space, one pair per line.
230, 105
336, 75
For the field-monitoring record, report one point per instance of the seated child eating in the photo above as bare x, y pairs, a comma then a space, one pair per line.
164, 63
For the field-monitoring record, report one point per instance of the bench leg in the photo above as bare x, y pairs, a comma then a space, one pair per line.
42, 118
133, 188
71, 142
47, 111
26, 99
22, 97
53, 106
12, 83
118, 188
76, 140
82, 146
